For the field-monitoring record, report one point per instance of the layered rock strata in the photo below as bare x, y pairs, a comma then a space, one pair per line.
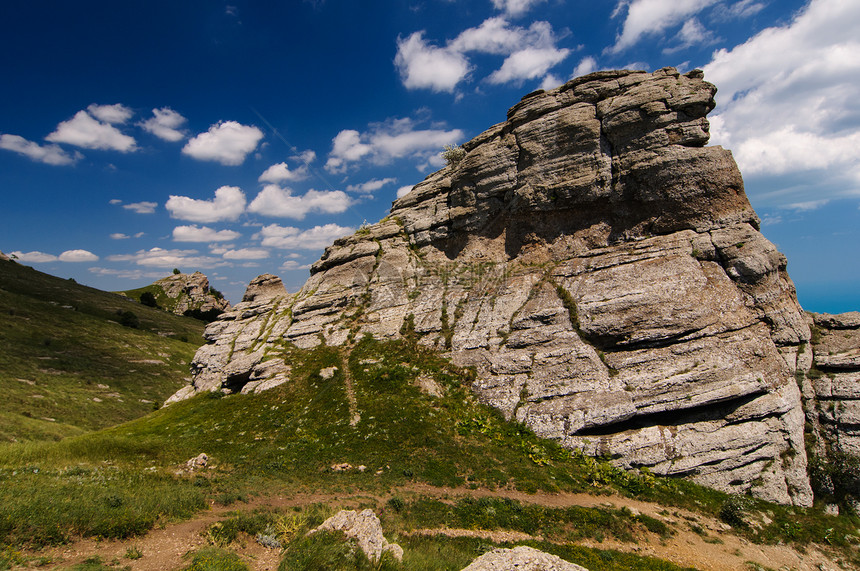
832, 383
600, 268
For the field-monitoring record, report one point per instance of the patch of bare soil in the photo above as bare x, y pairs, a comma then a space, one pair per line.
699, 541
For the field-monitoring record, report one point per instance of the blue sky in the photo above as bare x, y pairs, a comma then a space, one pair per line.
242, 137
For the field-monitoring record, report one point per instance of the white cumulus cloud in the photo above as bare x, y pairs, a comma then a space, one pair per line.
78, 256
528, 63
194, 233
281, 202
393, 139
84, 130
789, 102
585, 66
315, 238
165, 124
280, 172
116, 113
34, 257
404, 190
425, 66
646, 17
530, 52
228, 204
227, 142
48, 154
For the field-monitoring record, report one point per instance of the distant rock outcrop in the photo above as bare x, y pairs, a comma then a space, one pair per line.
602, 270
4, 257
186, 294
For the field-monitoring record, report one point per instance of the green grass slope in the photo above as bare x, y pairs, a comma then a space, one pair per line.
67, 363
314, 434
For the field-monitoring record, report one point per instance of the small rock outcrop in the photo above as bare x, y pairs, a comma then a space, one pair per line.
366, 529
4, 257
601, 269
191, 294
522, 558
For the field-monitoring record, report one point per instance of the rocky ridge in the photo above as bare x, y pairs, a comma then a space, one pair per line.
600, 268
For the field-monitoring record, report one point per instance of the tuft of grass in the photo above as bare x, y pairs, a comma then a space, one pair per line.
215, 559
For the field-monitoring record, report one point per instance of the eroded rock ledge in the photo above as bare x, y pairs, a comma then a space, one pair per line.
602, 270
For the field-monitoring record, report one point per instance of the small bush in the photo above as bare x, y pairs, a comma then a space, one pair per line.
734, 511
129, 319
148, 299
453, 154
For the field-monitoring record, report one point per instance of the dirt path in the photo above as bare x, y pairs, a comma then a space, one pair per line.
712, 548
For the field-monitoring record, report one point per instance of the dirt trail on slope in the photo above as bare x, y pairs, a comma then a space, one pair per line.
715, 550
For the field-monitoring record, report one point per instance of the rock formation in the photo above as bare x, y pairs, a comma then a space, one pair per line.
190, 293
366, 529
600, 268
831, 391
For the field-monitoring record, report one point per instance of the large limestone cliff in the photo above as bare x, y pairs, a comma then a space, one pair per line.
602, 270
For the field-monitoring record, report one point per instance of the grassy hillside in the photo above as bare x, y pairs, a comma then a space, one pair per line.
75, 359
392, 423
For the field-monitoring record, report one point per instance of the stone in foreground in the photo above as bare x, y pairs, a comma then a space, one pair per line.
522, 558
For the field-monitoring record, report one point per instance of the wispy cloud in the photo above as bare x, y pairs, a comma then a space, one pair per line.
647, 17
48, 154
316, 238
145, 207
370, 186
161, 258
515, 8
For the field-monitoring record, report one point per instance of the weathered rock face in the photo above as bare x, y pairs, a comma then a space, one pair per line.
832, 386
600, 268
191, 292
